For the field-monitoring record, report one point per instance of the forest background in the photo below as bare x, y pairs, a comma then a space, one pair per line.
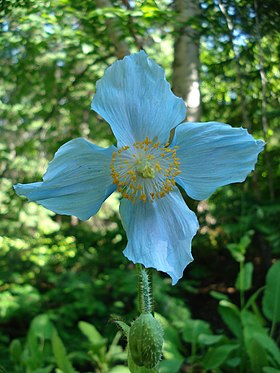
61, 279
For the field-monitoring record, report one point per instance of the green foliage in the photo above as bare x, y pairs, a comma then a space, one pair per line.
96, 340
256, 338
271, 299
231, 316
172, 357
244, 279
238, 250
102, 357
59, 352
215, 357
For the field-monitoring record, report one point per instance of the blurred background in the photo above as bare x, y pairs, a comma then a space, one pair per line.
61, 279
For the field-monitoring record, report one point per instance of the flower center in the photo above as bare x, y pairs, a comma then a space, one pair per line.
145, 171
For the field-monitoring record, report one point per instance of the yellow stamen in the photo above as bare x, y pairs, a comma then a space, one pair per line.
145, 171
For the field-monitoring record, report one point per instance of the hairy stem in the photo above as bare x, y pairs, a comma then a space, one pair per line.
145, 301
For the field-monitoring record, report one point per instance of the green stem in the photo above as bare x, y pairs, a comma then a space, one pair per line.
145, 301
150, 276
139, 286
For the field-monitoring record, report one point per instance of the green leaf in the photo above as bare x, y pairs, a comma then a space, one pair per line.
238, 250
244, 278
271, 299
42, 326
47, 369
16, 350
252, 300
270, 370
215, 357
194, 328
257, 355
119, 369
35, 353
39, 341
123, 326
233, 362
171, 348
206, 339
270, 346
255, 333
60, 355
170, 366
231, 316
92, 334
218, 296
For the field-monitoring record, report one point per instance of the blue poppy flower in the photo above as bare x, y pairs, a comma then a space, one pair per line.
136, 100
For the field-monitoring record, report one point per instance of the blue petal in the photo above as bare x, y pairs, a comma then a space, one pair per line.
213, 154
77, 180
136, 100
160, 233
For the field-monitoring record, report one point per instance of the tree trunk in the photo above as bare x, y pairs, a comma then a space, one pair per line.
186, 58
243, 99
114, 33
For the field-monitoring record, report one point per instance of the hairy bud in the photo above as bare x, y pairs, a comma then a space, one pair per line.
145, 341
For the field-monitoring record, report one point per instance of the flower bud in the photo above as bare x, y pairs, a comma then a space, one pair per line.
145, 341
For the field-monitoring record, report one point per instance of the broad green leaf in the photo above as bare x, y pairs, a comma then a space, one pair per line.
254, 331
92, 334
39, 341
244, 278
231, 316
35, 355
216, 356
42, 326
233, 362
270, 346
251, 324
60, 355
271, 299
257, 355
193, 329
206, 339
170, 366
